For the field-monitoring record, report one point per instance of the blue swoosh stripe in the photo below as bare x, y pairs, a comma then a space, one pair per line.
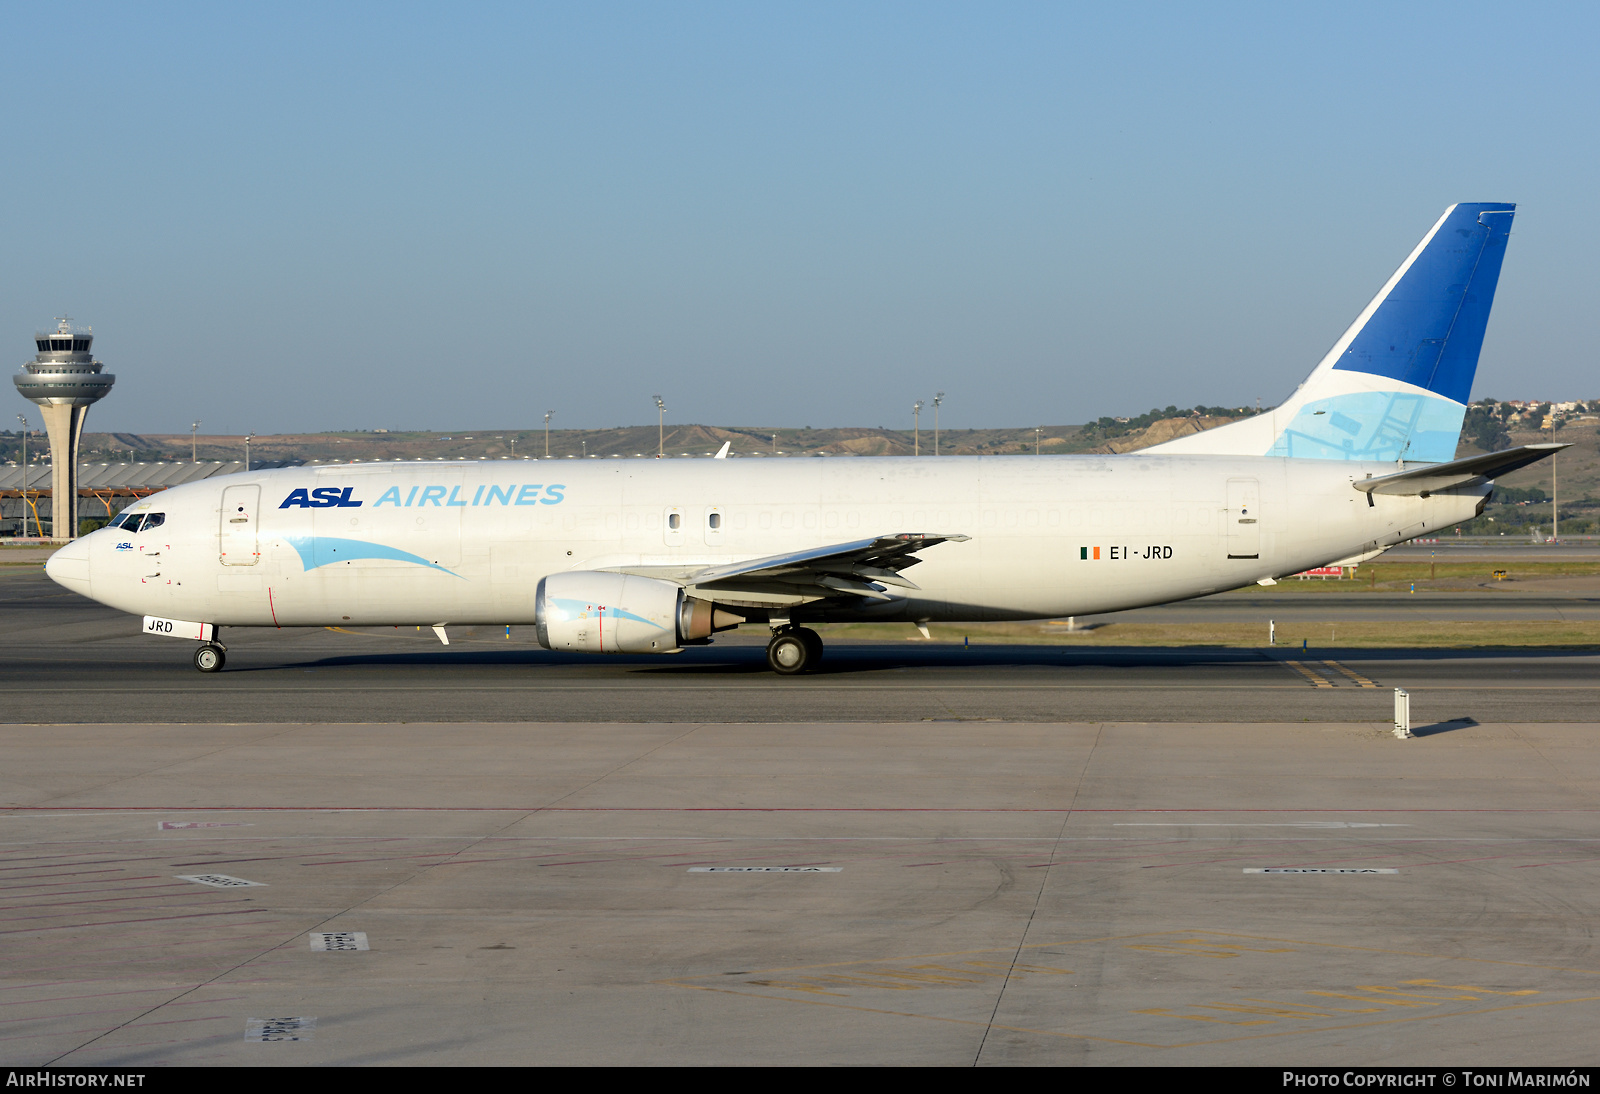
318, 551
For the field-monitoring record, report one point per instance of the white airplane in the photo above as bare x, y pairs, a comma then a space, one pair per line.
650, 556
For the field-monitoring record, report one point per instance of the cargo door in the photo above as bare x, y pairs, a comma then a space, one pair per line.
1244, 518
239, 543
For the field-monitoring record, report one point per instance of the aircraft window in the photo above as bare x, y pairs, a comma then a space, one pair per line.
127, 521
715, 521
153, 520
673, 521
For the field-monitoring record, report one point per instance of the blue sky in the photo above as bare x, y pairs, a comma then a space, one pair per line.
299, 217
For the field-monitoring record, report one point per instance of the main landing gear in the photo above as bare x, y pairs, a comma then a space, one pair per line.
794, 651
211, 657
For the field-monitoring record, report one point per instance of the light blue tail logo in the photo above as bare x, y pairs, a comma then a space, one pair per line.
1374, 425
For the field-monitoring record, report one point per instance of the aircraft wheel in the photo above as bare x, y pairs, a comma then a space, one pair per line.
788, 653
209, 658
813, 642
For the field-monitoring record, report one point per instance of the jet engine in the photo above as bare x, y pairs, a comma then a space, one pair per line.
588, 611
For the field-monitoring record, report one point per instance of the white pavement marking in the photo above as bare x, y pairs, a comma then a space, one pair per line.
217, 881
184, 826
1321, 870
765, 869
330, 941
1229, 824
279, 1029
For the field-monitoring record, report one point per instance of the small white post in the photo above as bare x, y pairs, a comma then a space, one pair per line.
1272, 632
1402, 713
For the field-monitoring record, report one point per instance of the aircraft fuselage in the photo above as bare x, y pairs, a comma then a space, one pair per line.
467, 543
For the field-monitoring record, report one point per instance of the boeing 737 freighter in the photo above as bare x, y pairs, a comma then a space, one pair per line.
650, 556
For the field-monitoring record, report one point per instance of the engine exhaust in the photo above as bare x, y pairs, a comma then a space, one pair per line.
700, 619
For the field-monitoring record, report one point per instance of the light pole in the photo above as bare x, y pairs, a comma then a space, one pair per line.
661, 427
24, 422
916, 426
547, 416
1036, 431
194, 431
248, 438
938, 398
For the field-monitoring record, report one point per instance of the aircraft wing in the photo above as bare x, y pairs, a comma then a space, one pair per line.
1441, 476
861, 568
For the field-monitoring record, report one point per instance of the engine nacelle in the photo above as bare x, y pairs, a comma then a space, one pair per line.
589, 611
594, 612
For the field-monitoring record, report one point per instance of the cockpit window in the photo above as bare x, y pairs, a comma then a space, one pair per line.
131, 522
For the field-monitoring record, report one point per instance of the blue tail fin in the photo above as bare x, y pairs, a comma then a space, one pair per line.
1394, 387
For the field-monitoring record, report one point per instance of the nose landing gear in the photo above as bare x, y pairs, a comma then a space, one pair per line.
794, 651
210, 657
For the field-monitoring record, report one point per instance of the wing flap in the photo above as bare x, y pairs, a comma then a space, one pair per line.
859, 568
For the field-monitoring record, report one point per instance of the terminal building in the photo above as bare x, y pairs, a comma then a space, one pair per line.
27, 498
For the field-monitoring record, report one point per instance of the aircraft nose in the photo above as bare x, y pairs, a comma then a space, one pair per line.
69, 567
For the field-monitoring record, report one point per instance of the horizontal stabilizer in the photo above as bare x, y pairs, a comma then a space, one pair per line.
1442, 476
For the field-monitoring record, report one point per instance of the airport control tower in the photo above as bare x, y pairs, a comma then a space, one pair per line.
64, 378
